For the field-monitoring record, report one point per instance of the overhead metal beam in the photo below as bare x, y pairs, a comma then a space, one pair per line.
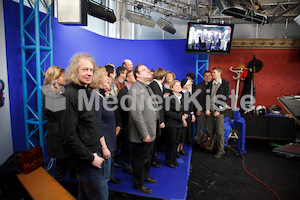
287, 10
199, 9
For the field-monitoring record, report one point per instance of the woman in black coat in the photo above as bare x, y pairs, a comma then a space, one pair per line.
53, 87
175, 119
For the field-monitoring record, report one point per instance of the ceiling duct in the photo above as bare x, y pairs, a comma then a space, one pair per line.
234, 9
138, 18
166, 25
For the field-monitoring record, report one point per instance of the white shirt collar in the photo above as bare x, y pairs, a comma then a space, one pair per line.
214, 82
178, 96
184, 91
160, 85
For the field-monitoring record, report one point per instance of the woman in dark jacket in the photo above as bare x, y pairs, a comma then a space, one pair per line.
53, 87
106, 123
174, 121
187, 131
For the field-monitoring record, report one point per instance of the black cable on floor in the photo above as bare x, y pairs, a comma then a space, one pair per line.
258, 179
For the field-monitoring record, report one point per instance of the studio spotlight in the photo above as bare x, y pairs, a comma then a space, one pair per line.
138, 18
166, 25
102, 12
233, 8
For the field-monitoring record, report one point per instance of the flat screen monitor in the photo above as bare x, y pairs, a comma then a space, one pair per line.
209, 38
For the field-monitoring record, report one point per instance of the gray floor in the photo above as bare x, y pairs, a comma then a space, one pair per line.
226, 178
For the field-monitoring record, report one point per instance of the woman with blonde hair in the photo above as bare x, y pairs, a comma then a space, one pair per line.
106, 123
175, 120
170, 76
53, 84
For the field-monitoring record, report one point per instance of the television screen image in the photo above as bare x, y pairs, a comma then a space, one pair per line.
209, 38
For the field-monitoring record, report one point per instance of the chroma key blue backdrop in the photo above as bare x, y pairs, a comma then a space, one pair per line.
68, 40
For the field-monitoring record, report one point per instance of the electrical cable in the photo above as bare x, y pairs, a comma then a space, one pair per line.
51, 163
258, 179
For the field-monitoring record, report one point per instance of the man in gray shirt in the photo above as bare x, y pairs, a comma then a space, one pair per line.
218, 90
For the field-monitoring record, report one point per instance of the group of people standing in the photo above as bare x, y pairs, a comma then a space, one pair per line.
152, 112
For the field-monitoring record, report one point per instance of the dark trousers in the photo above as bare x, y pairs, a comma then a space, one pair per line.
201, 121
173, 139
61, 169
141, 162
89, 180
162, 141
156, 141
112, 166
126, 149
187, 135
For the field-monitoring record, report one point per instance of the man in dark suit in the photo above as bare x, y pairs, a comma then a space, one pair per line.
157, 88
218, 90
143, 124
201, 100
122, 122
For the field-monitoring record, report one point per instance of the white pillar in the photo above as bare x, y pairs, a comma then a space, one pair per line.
6, 145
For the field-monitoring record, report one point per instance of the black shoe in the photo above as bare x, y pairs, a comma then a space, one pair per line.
144, 189
128, 171
156, 155
117, 165
150, 180
115, 180
171, 165
155, 160
155, 164
182, 152
178, 155
176, 164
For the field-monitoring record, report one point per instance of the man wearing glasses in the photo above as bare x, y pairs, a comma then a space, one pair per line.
143, 124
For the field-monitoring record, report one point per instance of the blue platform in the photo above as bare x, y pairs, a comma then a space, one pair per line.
171, 183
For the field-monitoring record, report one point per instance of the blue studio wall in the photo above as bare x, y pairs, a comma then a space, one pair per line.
14, 70
168, 54
68, 40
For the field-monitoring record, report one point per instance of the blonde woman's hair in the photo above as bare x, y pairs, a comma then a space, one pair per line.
174, 82
53, 73
169, 72
71, 75
99, 75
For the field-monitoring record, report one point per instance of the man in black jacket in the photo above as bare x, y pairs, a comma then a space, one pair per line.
122, 117
218, 90
156, 86
81, 135
201, 99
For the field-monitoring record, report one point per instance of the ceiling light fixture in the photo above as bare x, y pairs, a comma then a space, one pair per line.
139, 18
166, 25
102, 12
234, 9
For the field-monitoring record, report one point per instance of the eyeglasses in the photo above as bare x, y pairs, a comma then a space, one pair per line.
145, 69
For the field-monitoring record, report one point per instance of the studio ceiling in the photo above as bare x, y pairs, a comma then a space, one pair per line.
277, 11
